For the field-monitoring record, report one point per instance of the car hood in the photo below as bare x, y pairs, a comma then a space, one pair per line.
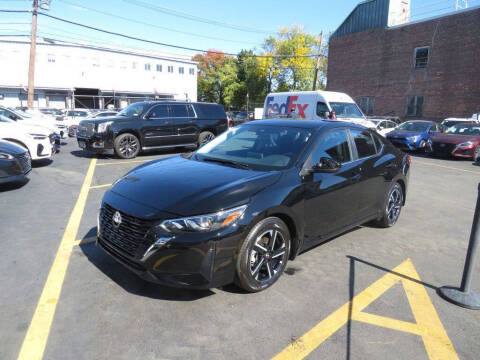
48, 124
188, 187
11, 148
33, 129
403, 133
454, 138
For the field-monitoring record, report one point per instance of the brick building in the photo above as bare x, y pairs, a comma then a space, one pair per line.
428, 69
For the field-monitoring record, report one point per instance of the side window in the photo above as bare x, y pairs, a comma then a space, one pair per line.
391, 125
179, 110
378, 142
322, 109
159, 111
334, 145
191, 112
363, 142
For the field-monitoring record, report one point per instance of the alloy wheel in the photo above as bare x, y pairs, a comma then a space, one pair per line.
128, 146
394, 205
267, 255
207, 138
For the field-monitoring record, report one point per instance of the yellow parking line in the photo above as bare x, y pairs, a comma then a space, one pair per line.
36, 338
447, 167
125, 162
100, 186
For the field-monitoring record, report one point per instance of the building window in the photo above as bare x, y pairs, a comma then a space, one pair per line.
50, 58
134, 65
181, 70
421, 57
170, 69
367, 104
191, 71
147, 67
414, 106
159, 68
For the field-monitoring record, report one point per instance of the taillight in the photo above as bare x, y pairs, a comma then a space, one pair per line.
409, 159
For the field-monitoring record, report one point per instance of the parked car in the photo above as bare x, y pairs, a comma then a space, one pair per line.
51, 112
383, 127
15, 162
447, 123
28, 119
39, 143
314, 105
147, 126
251, 199
414, 135
461, 141
395, 119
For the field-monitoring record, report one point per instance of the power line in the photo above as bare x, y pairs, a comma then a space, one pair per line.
152, 41
191, 17
155, 25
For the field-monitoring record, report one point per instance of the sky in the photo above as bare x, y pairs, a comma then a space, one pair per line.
228, 26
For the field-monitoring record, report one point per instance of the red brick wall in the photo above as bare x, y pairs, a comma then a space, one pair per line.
380, 63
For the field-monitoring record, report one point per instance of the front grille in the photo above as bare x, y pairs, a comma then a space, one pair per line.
128, 236
25, 162
443, 149
86, 130
72, 130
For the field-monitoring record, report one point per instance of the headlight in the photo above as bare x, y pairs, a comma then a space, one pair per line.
103, 127
5, 156
413, 138
39, 136
204, 223
465, 144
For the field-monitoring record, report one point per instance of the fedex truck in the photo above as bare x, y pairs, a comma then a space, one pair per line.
313, 105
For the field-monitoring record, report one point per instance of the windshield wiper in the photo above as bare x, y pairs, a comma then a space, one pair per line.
227, 162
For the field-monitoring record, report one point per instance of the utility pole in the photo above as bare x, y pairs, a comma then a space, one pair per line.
319, 56
31, 66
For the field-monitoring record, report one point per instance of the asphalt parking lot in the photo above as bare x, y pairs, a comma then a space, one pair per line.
368, 294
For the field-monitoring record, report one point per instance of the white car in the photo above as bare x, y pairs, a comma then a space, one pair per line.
72, 119
39, 142
19, 116
383, 127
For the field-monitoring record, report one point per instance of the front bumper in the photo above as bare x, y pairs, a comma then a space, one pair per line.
448, 150
15, 169
405, 144
44, 149
194, 260
96, 142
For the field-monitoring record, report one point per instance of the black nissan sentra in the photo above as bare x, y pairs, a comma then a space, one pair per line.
241, 206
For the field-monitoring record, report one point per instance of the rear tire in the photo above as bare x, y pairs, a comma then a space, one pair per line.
392, 206
205, 137
127, 146
263, 255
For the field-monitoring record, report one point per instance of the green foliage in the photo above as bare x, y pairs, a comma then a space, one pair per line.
284, 66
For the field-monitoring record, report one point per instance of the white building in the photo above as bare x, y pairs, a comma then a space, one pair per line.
75, 75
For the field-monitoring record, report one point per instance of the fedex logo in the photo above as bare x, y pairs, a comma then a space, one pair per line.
286, 108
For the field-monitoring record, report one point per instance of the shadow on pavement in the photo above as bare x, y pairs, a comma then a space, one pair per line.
351, 291
129, 281
41, 163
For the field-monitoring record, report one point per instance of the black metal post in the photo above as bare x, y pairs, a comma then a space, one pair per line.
464, 296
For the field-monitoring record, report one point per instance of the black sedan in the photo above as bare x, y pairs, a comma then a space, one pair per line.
242, 205
15, 162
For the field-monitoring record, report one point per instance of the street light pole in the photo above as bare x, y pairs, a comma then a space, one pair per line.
31, 66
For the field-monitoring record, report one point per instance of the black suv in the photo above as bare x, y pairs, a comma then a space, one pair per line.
153, 125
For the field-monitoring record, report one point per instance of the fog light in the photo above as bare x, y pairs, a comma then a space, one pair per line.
161, 242
99, 144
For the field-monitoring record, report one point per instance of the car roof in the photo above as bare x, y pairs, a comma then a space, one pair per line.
306, 124
422, 121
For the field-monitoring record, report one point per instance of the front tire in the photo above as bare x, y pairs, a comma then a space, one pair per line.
392, 207
205, 137
127, 146
263, 255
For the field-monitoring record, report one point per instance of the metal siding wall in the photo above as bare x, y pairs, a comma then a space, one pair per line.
368, 15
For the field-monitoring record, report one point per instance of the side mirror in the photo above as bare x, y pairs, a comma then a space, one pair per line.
326, 165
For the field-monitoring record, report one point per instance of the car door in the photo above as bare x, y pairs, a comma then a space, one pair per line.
331, 199
368, 154
184, 123
157, 129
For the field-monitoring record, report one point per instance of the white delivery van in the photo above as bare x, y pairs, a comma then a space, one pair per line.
314, 105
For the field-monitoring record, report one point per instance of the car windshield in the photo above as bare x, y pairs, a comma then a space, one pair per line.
76, 113
5, 119
133, 109
450, 123
257, 147
464, 130
21, 114
413, 126
346, 110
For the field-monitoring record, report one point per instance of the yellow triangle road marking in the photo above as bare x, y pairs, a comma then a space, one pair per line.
427, 325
